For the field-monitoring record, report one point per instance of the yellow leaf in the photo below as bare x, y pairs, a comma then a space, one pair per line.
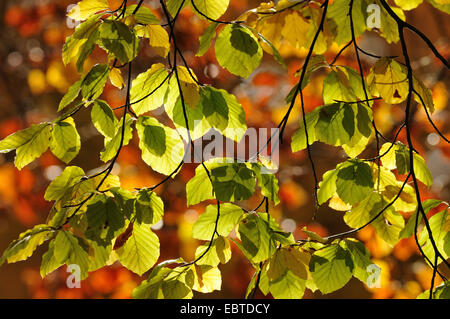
189, 87
223, 249
297, 262
206, 278
388, 80
337, 204
159, 39
130, 21
271, 28
295, 29
277, 265
115, 76
85, 8
213, 9
446, 226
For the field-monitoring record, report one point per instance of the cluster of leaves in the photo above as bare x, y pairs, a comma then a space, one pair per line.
94, 222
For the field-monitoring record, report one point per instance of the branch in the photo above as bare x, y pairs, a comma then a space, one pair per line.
403, 24
190, 142
350, 232
410, 143
300, 90
429, 117
211, 19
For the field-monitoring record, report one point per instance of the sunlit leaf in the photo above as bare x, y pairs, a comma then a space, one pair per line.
65, 142
237, 50
141, 250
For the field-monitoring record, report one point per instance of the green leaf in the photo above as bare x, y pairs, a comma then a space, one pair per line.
81, 43
143, 16
390, 226
267, 181
94, 82
99, 255
252, 284
327, 187
29, 143
104, 119
166, 283
423, 174
288, 286
213, 9
233, 182
365, 210
331, 268
223, 112
162, 147
73, 189
440, 236
337, 87
354, 182
125, 199
68, 250
398, 157
427, 205
299, 137
153, 82
218, 252
440, 292
363, 130
141, 250
199, 187
335, 125
259, 238
117, 38
198, 125
206, 39
58, 187
256, 238
389, 27
71, 95
112, 144
340, 20
238, 50
105, 220
24, 246
174, 5
49, 262
149, 207
65, 142
152, 287
230, 215
360, 257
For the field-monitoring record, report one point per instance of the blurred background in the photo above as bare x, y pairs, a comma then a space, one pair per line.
33, 80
